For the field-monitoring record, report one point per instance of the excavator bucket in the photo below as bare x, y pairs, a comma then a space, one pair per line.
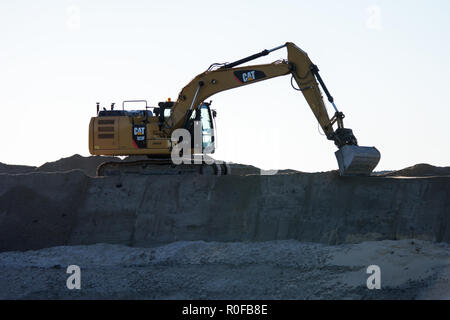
357, 161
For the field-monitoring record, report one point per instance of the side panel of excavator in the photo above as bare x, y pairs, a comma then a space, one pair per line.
116, 136
128, 135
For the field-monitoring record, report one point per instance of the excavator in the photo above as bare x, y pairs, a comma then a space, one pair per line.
153, 133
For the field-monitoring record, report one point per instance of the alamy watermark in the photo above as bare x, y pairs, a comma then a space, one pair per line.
373, 19
374, 280
73, 19
182, 148
74, 280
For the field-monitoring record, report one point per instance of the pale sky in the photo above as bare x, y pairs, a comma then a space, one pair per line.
385, 62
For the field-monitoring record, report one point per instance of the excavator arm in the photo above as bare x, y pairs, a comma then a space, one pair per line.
228, 77
352, 159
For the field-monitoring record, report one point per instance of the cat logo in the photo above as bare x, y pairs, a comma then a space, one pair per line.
244, 76
139, 131
139, 136
248, 76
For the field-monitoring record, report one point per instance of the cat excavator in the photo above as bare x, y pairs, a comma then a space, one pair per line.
154, 132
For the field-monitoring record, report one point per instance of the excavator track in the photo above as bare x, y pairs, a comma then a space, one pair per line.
160, 167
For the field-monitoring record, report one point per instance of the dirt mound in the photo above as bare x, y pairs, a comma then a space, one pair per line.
76, 162
86, 164
420, 170
15, 169
242, 169
89, 166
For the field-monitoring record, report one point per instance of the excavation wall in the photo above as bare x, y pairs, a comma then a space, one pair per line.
39, 210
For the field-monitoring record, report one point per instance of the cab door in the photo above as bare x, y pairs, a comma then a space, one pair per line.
208, 130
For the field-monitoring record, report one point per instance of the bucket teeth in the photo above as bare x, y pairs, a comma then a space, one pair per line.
357, 161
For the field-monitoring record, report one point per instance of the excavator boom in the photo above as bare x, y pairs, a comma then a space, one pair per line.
352, 159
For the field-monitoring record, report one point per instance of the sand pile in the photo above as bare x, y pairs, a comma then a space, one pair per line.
410, 269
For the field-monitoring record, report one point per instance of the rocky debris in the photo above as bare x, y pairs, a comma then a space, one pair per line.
410, 269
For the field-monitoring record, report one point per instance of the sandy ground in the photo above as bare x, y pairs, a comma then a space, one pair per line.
288, 269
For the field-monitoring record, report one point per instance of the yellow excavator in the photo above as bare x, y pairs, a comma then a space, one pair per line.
151, 132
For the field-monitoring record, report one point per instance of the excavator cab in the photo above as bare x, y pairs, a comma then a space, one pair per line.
205, 117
